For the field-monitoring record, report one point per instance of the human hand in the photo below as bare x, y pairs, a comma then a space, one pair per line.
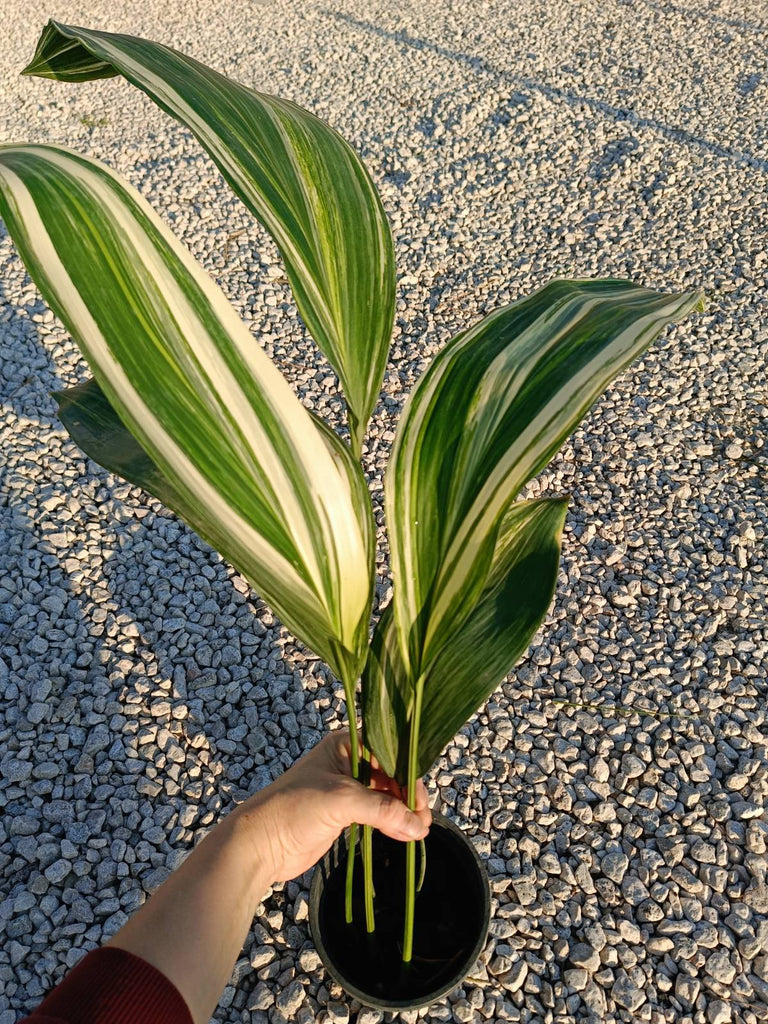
296, 819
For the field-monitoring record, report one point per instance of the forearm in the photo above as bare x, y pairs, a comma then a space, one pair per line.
193, 928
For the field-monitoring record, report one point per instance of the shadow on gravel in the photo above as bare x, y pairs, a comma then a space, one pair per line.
190, 619
49, 691
689, 12
615, 155
552, 92
95, 594
27, 374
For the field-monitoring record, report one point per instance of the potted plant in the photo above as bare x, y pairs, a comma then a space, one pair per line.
185, 404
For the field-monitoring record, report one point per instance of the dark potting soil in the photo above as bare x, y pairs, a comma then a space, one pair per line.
448, 918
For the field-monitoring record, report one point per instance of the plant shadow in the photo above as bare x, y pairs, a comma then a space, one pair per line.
158, 681
690, 12
526, 86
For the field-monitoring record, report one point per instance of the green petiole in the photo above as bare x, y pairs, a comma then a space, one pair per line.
350, 873
422, 865
410, 853
367, 852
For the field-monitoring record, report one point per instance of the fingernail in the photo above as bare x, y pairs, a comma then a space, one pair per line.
414, 826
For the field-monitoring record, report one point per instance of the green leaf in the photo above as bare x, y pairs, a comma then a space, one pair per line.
490, 412
238, 457
293, 171
512, 605
385, 699
96, 428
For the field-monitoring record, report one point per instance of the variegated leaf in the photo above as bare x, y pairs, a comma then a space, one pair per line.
490, 412
477, 657
249, 468
293, 171
95, 426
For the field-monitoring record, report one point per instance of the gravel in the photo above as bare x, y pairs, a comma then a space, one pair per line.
616, 782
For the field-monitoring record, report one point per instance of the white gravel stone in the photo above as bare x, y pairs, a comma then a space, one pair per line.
626, 994
368, 1015
515, 976
337, 1011
719, 1012
290, 998
583, 955
720, 967
614, 865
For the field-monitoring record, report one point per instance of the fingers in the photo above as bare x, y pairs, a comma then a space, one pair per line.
383, 804
340, 742
382, 782
337, 747
422, 796
388, 814
422, 804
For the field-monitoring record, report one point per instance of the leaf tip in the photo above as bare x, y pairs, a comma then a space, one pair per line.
36, 67
563, 502
33, 68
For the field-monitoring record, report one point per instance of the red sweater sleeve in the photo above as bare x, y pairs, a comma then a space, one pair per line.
113, 986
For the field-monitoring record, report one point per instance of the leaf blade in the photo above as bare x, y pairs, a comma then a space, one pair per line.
511, 607
518, 593
256, 476
488, 414
95, 427
300, 179
386, 689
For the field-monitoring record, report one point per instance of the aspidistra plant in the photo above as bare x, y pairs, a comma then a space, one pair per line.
185, 403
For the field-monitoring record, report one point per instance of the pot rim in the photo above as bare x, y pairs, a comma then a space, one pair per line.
316, 886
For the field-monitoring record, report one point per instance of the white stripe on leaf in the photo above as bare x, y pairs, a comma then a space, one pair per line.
340, 586
436, 584
330, 227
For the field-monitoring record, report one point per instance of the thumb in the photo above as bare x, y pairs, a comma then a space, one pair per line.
389, 815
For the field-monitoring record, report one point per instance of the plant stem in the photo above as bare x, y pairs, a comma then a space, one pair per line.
350, 687
422, 864
353, 826
370, 920
350, 873
367, 851
410, 852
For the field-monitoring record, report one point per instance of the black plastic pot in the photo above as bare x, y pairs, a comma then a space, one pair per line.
453, 910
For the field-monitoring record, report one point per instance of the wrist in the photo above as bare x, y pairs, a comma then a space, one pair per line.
254, 838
